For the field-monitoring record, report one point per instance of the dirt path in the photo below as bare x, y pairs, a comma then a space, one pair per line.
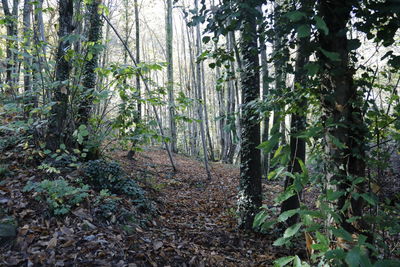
197, 224
194, 223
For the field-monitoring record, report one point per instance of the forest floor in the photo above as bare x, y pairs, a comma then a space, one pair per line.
194, 223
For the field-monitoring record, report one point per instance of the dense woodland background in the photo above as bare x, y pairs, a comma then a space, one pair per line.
126, 119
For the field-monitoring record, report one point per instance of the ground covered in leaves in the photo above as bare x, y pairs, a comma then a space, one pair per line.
191, 221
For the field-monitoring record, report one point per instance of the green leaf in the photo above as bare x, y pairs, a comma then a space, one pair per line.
321, 25
297, 262
267, 146
337, 142
281, 241
333, 195
287, 214
335, 254
353, 44
292, 230
331, 55
369, 198
283, 261
304, 31
353, 257
312, 68
275, 173
285, 195
295, 16
342, 233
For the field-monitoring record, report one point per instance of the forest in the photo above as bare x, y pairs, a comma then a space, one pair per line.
200, 133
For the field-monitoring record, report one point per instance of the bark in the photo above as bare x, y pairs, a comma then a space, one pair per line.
94, 37
11, 15
250, 166
30, 100
265, 92
298, 120
56, 134
342, 104
200, 109
137, 41
170, 74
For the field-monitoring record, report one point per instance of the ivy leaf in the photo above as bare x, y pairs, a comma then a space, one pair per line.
353, 257
292, 230
331, 55
353, 44
321, 25
304, 30
312, 68
295, 16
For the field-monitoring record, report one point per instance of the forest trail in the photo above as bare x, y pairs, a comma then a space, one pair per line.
197, 224
194, 222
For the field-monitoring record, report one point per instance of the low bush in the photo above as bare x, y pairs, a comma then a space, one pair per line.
58, 194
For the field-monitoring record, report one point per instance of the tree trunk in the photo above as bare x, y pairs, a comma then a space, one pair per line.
250, 166
341, 101
94, 37
56, 134
11, 17
298, 122
170, 74
29, 98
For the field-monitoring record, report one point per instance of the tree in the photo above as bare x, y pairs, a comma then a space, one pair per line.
56, 133
345, 130
170, 74
250, 166
298, 119
11, 19
94, 37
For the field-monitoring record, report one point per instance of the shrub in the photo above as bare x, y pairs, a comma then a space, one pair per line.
58, 194
101, 175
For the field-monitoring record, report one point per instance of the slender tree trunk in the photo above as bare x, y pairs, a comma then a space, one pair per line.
56, 134
250, 166
200, 97
27, 35
170, 74
11, 16
298, 122
137, 42
265, 92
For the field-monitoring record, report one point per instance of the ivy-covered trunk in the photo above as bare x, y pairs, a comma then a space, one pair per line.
57, 122
11, 22
94, 37
345, 129
250, 165
298, 119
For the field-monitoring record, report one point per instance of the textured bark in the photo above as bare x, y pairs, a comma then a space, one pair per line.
250, 165
137, 42
30, 100
170, 74
94, 36
298, 120
265, 92
340, 99
200, 108
56, 134
11, 16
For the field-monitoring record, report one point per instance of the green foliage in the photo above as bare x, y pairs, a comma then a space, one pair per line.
59, 195
101, 174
